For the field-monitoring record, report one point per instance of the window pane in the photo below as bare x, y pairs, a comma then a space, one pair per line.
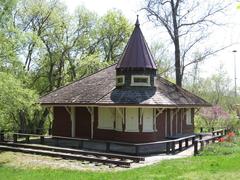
189, 117
140, 80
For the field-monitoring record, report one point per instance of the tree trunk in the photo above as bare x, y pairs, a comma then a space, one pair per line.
176, 45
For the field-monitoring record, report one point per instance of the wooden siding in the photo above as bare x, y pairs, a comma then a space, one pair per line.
62, 126
61, 123
83, 123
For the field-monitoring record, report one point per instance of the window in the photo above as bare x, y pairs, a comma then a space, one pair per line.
132, 120
119, 119
140, 80
106, 118
189, 117
147, 120
120, 80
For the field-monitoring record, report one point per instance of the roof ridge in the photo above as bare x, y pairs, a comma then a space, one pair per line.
77, 80
105, 95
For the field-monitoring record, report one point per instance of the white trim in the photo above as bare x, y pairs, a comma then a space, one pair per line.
123, 80
119, 114
189, 117
140, 84
91, 111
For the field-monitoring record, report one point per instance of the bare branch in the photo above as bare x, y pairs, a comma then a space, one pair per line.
207, 54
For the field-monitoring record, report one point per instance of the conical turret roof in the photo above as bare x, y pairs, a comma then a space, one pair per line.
137, 53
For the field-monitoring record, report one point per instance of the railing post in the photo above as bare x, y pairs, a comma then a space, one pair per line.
193, 139
27, 138
207, 141
180, 145
195, 147
168, 147
42, 139
1, 136
201, 129
201, 145
173, 147
225, 131
15, 138
186, 143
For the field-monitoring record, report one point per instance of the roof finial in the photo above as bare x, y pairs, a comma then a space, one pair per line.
137, 22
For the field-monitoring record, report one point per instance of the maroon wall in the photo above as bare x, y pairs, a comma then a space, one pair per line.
161, 125
61, 122
62, 126
188, 128
135, 137
83, 123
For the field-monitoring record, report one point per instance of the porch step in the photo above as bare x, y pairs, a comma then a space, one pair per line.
105, 158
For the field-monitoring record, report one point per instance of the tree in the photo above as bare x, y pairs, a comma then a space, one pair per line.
187, 24
14, 99
114, 31
160, 55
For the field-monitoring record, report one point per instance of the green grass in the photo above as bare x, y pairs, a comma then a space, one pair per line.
218, 161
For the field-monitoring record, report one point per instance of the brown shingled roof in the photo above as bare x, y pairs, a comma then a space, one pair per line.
99, 89
137, 53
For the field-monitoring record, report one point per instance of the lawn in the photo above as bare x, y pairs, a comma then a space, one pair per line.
218, 161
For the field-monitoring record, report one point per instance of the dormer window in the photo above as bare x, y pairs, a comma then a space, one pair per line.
140, 80
120, 80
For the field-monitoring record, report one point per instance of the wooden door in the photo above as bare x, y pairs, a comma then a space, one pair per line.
83, 123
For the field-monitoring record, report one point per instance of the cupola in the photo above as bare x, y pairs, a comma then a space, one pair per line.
136, 66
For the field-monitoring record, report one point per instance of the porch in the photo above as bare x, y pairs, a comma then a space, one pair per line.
168, 146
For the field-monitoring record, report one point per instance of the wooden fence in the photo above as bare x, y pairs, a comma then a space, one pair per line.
203, 142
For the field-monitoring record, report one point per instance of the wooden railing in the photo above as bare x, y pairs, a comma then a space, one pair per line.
203, 142
168, 146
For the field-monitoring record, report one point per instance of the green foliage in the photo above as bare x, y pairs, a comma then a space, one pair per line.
90, 65
223, 148
114, 31
232, 123
44, 47
14, 97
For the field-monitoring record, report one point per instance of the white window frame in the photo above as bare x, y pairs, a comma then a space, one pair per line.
140, 84
189, 117
120, 77
103, 118
128, 124
144, 121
